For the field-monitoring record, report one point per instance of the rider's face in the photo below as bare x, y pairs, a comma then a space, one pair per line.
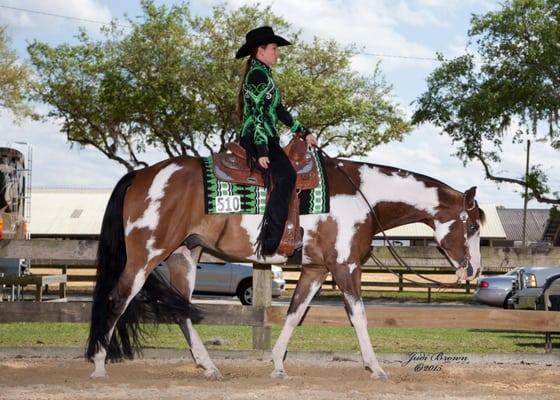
268, 54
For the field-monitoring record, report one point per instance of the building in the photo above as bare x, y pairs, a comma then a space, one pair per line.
77, 213
67, 213
536, 229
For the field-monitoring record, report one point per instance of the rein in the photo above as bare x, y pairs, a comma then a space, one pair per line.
400, 261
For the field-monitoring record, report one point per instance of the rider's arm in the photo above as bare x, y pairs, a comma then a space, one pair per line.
286, 118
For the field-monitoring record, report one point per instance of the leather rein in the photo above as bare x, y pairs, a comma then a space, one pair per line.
463, 216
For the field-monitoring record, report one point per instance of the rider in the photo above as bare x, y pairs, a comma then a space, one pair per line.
259, 108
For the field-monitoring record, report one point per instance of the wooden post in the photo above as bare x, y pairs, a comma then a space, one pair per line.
262, 298
39, 291
429, 294
400, 282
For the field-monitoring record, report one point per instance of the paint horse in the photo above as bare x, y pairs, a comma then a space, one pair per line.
157, 214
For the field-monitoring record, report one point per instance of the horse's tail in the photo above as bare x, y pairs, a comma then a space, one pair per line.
157, 301
111, 260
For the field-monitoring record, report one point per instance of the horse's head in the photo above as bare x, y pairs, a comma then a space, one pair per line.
457, 232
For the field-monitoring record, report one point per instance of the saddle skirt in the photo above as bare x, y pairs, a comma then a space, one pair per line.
232, 166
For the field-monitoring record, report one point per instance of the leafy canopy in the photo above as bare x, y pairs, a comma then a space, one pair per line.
171, 81
506, 89
14, 80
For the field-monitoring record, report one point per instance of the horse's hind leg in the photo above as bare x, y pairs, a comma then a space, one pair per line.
309, 282
348, 279
128, 286
182, 270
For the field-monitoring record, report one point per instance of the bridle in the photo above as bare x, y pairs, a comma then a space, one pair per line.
463, 216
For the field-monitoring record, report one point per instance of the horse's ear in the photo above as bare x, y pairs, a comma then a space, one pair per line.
469, 198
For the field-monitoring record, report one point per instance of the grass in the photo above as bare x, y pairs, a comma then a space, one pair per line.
438, 296
305, 338
393, 295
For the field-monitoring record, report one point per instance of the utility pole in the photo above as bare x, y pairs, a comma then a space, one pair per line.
525, 199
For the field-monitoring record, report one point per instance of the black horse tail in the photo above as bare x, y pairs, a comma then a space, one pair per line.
158, 301
111, 260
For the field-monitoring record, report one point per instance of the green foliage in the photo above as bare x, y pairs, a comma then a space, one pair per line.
509, 89
171, 81
14, 80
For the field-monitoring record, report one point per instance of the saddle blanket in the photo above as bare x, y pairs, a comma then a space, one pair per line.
227, 198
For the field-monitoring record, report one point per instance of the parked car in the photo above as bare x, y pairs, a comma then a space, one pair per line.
529, 287
495, 290
232, 279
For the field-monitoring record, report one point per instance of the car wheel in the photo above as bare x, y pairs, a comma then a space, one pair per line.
245, 292
506, 302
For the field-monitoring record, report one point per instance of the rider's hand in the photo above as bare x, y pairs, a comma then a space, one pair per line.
263, 162
311, 140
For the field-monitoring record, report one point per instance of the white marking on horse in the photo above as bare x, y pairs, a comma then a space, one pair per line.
442, 229
200, 354
251, 225
359, 321
378, 187
99, 357
309, 223
150, 218
474, 250
352, 267
292, 321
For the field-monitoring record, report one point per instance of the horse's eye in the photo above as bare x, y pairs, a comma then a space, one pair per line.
473, 228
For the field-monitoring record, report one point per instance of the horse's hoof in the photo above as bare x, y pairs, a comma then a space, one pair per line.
98, 374
279, 374
380, 375
213, 374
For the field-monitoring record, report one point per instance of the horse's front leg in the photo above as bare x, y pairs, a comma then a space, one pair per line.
348, 279
309, 282
182, 272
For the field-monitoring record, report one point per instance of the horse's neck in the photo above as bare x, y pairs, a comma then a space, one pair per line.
400, 197
406, 215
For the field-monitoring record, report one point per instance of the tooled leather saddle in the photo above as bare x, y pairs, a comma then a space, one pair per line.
232, 166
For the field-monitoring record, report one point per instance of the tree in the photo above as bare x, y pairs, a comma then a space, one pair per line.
171, 81
509, 90
14, 79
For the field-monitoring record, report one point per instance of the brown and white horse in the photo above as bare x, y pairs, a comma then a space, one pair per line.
157, 214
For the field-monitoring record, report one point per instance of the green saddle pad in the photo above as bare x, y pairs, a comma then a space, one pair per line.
231, 198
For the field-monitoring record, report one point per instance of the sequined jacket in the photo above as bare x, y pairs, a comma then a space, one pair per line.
262, 108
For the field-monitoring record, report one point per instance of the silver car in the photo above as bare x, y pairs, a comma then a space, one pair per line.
495, 290
529, 286
230, 279
234, 279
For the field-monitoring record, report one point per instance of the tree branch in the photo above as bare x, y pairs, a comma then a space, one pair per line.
489, 175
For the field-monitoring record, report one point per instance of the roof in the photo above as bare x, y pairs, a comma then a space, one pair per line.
512, 221
67, 212
492, 229
64, 212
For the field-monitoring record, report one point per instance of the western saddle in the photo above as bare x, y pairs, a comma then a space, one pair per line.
232, 166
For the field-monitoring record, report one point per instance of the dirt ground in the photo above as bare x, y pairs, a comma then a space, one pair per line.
61, 379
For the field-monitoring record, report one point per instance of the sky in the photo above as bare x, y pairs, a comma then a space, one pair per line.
387, 30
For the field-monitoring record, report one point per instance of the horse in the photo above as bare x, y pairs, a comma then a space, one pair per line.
157, 214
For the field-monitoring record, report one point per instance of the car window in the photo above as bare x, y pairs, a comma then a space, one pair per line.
513, 271
555, 284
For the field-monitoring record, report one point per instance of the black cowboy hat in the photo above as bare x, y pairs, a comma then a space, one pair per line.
257, 37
